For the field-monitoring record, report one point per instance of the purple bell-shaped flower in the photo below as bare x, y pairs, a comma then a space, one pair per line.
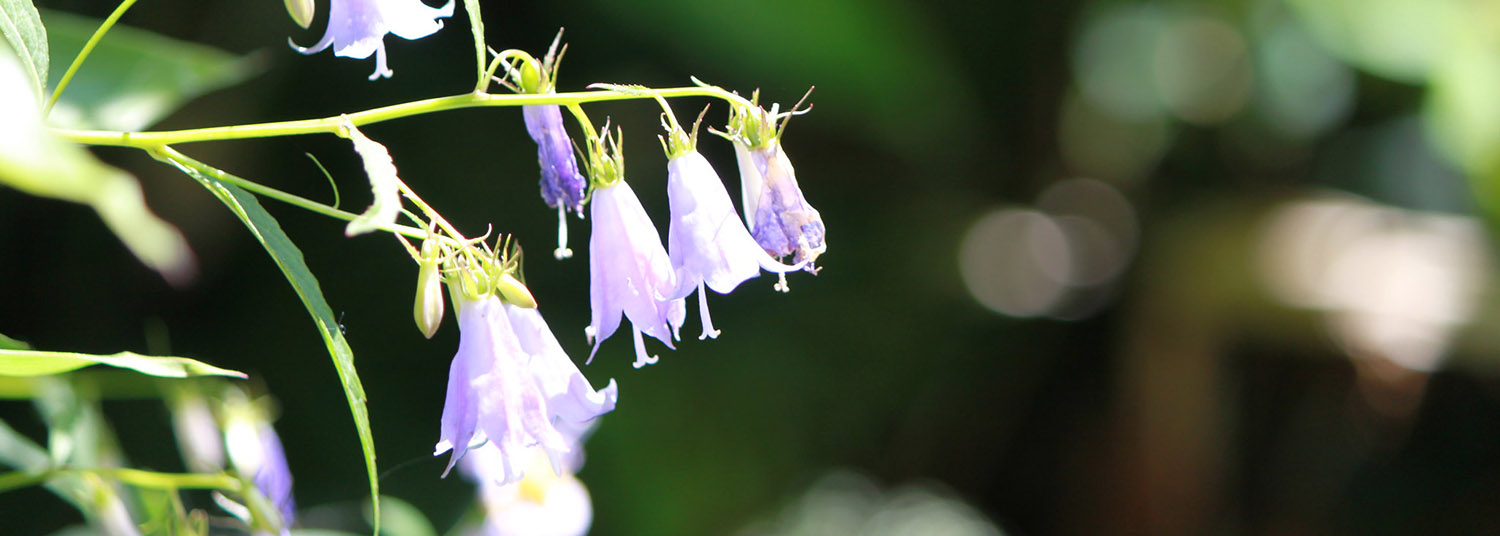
778, 215
707, 243
357, 28
512, 385
629, 273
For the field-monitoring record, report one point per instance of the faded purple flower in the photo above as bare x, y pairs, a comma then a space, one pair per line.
255, 449
629, 273
274, 478
357, 28
511, 385
706, 241
775, 211
562, 186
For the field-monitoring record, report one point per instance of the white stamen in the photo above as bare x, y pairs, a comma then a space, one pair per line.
781, 285
641, 358
562, 251
708, 324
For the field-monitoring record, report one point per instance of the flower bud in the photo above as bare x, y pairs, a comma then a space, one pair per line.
514, 291
428, 310
302, 11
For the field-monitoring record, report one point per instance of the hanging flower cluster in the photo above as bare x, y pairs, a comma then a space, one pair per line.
514, 396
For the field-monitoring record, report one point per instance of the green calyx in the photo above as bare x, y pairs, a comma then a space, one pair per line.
606, 158
478, 272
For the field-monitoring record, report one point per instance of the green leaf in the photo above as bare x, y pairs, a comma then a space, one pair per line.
21, 452
7, 343
39, 363
400, 518
23, 31
34, 161
384, 185
289, 259
133, 78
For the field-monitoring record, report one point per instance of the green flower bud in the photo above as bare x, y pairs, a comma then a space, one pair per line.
302, 11
428, 310
531, 78
514, 291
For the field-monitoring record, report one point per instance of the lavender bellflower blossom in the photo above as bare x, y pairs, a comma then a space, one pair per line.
563, 187
357, 28
629, 273
507, 386
779, 217
707, 243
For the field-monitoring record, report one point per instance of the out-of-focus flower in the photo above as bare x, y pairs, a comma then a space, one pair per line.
198, 434
629, 273
541, 504
511, 385
705, 240
255, 450
357, 28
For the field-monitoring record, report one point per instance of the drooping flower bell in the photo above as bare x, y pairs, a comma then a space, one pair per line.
562, 186
255, 450
357, 28
629, 270
512, 385
705, 239
779, 217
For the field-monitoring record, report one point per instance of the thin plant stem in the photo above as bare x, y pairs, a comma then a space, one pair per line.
171, 155
135, 477
88, 48
332, 125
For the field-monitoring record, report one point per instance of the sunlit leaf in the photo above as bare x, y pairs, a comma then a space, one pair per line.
23, 31
7, 343
400, 518
34, 161
19, 451
268, 232
133, 78
383, 184
40, 363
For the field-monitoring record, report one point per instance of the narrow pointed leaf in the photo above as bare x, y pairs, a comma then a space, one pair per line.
39, 363
133, 78
7, 343
289, 259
